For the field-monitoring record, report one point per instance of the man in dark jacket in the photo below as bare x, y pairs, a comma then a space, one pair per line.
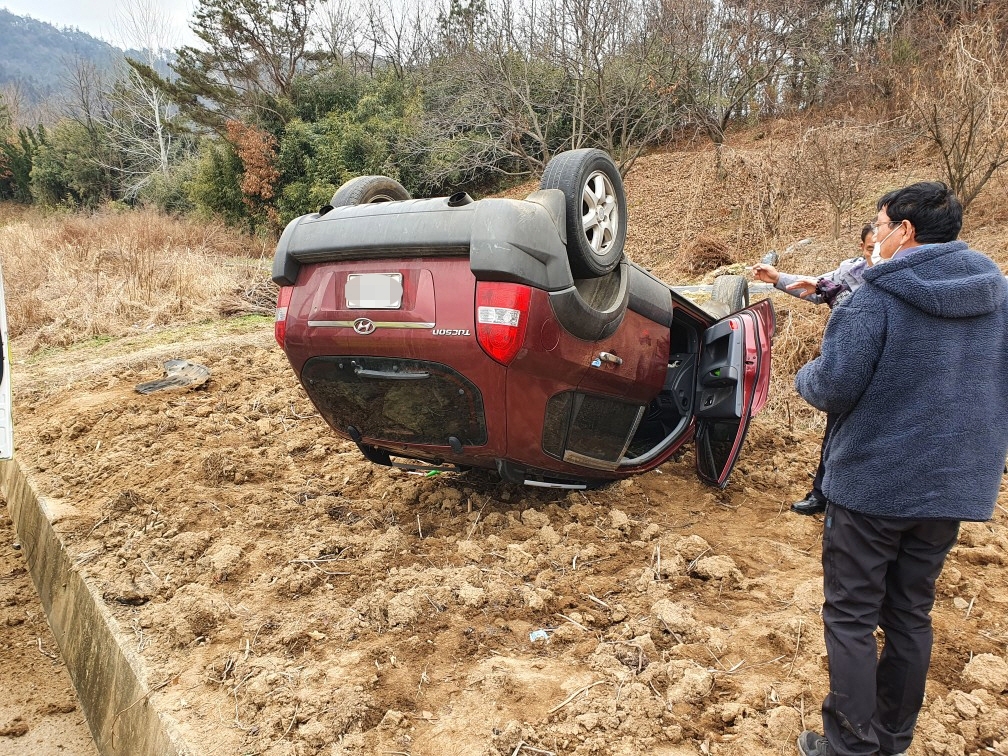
915, 365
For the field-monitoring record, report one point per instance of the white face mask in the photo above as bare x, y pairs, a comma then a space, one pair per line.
876, 255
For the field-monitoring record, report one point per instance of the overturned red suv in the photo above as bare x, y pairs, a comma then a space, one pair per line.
513, 335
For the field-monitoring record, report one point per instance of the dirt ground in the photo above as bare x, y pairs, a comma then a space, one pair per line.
39, 714
296, 599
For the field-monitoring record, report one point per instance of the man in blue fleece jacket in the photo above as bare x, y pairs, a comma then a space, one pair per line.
915, 366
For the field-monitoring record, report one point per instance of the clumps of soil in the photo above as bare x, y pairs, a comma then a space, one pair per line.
675, 618
963, 723
192, 614
14, 728
298, 599
987, 671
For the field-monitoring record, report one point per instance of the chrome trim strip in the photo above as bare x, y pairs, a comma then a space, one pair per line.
377, 324
567, 486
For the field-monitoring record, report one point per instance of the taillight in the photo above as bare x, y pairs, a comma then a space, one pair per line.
280, 324
501, 318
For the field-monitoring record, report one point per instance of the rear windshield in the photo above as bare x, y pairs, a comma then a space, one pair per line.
396, 400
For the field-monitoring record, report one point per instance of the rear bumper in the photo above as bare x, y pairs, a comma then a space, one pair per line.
523, 241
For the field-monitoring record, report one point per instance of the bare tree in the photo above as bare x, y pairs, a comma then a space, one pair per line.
342, 31
141, 119
495, 103
145, 26
622, 74
140, 123
834, 158
399, 34
963, 102
85, 101
516, 82
85, 150
732, 49
23, 111
853, 25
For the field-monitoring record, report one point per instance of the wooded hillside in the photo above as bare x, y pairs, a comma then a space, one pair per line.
34, 58
280, 103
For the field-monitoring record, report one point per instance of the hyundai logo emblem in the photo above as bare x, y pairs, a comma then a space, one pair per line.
363, 326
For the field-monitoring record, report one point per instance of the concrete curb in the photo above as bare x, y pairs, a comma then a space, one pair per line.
107, 676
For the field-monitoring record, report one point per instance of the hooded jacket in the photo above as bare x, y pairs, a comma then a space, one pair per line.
915, 365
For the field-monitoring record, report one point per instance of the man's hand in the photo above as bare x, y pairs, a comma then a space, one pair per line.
767, 273
806, 287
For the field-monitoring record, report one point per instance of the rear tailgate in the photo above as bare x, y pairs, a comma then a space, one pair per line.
387, 350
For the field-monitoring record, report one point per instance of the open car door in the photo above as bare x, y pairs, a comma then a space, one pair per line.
732, 383
6, 427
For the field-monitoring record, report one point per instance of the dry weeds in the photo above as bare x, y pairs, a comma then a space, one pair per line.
70, 278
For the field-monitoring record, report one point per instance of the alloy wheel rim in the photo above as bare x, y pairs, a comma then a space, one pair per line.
599, 213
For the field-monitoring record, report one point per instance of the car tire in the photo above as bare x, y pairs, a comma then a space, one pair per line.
732, 291
366, 189
595, 209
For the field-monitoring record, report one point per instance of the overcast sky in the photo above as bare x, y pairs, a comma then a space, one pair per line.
96, 17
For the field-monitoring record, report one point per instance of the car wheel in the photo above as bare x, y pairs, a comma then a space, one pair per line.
732, 291
595, 206
366, 189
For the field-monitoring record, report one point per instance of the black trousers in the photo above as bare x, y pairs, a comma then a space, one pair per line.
878, 572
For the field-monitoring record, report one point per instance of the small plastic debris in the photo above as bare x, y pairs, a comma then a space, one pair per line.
538, 635
16, 545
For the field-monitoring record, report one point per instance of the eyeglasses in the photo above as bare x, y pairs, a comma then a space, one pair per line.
875, 226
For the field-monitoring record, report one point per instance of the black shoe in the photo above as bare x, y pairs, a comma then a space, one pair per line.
812, 504
813, 744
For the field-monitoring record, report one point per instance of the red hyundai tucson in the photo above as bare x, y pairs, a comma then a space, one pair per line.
513, 335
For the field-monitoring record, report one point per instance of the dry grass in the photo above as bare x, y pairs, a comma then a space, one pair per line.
70, 278
12, 212
703, 254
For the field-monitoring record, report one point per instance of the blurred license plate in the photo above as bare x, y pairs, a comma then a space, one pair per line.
374, 291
